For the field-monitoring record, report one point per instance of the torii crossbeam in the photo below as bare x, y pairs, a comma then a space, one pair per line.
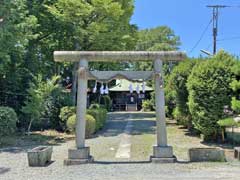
161, 152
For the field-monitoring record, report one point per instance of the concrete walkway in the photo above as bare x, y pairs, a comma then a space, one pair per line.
124, 149
133, 136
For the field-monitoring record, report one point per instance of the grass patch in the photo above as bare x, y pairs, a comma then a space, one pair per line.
142, 147
49, 137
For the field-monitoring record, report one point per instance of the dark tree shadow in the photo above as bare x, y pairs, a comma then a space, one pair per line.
191, 134
25, 143
183, 161
121, 162
144, 127
135, 162
225, 145
117, 122
142, 115
47, 164
4, 170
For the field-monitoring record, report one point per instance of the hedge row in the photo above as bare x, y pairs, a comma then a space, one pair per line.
201, 90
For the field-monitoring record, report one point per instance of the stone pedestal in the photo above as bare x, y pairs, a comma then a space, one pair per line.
163, 155
40, 156
78, 156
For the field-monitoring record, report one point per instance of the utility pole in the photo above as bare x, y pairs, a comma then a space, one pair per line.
215, 9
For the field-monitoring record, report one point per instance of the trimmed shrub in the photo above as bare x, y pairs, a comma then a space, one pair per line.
178, 81
96, 114
235, 86
235, 104
8, 120
181, 119
90, 125
228, 122
209, 92
106, 102
170, 96
65, 113
147, 105
103, 114
94, 106
71, 123
100, 116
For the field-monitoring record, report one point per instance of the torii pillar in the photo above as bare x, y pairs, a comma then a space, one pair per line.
81, 154
161, 152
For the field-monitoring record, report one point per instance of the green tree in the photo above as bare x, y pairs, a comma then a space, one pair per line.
209, 92
161, 38
16, 30
235, 86
8, 120
31, 30
177, 82
96, 25
37, 101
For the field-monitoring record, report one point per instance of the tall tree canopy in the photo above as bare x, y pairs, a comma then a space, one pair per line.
16, 30
97, 25
161, 38
31, 30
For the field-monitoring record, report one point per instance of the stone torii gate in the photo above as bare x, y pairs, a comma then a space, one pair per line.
81, 154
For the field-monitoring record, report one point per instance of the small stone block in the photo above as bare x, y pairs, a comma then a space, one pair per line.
40, 156
237, 153
81, 153
69, 162
162, 152
163, 160
206, 154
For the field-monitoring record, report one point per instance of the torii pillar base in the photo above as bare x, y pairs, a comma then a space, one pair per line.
78, 156
163, 155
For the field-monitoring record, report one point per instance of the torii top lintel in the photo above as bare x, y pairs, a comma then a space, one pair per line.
110, 56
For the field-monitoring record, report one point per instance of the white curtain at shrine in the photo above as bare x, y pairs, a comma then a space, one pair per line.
138, 89
131, 88
102, 91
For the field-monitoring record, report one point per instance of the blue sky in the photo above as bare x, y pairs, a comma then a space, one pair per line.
189, 18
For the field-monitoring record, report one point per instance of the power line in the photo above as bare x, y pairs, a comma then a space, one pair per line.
201, 37
237, 6
230, 38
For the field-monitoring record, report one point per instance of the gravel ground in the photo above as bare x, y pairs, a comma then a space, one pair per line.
13, 162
